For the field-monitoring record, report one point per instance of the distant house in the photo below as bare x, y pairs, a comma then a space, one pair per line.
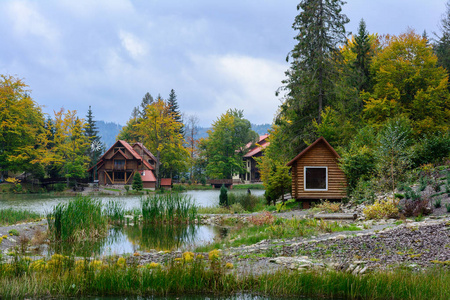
119, 164
252, 151
166, 183
316, 174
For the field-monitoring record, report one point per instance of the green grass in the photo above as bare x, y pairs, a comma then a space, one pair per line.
11, 216
252, 186
114, 190
168, 208
63, 277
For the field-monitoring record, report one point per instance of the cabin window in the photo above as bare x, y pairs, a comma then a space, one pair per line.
119, 164
316, 178
119, 176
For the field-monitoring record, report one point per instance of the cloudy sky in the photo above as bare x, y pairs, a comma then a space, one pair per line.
215, 54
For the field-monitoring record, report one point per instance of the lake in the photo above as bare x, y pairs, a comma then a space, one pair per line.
129, 239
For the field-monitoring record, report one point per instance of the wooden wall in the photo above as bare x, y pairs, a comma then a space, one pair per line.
319, 155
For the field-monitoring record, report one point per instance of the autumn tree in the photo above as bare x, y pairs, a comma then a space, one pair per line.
408, 82
70, 145
23, 136
311, 77
160, 133
225, 145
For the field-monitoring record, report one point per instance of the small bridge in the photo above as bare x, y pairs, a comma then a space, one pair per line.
217, 183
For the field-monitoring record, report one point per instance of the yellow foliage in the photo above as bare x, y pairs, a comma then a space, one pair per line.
38, 265
121, 262
229, 265
200, 256
381, 209
188, 256
152, 265
214, 254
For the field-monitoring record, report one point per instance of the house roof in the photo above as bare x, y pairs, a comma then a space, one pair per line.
145, 150
321, 139
166, 181
147, 176
262, 143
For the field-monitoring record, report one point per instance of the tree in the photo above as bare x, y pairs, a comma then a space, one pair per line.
442, 45
223, 197
364, 52
95, 148
147, 100
137, 184
408, 82
310, 79
70, 145
225, 145
174, 108
161, 135
23, 137
190, 133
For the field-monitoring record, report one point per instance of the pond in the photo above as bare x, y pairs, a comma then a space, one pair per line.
45, 203
129, 239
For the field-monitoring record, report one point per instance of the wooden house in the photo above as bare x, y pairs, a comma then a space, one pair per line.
119, 164
316, 174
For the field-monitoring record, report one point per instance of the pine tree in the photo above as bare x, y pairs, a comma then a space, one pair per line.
361, 65
91, 132
310, 79
137, 184
174, 108
442, 45
148, 99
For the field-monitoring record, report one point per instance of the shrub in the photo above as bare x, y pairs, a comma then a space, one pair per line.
329, 207
437, 203
364, 191
60, 187
432, 149
358, 165
13, 232
127, 188
414, 208
381, 209
265, 218
247, 201
137, 182
203, 181
223, 197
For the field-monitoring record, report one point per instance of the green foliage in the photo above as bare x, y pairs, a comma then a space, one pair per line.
247, 201
137, 184
364, 191
437, 203
225, 145
223, 197
393, 155
14, 232
433, 149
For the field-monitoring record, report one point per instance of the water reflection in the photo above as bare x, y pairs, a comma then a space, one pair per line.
129, 239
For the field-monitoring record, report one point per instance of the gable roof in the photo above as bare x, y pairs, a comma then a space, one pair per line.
147, 176
262, 143
145, 150
321, 139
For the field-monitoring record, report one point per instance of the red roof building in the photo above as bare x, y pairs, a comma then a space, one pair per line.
119, 164
254, 150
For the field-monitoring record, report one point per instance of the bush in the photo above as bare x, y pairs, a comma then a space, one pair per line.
364, 191
127, 188
358, 165
247, 201
437, 203
431, 149
381, 209
60, 187
137, 182
329, 207
223, 197
203, 181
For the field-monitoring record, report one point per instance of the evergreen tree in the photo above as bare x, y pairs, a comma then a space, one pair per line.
310, 79
223, 197
362, 49
91, 132
442, 45
174, 108
137, 184
148, 99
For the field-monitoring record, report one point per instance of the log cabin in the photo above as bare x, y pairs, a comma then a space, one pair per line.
119, 164
316, 174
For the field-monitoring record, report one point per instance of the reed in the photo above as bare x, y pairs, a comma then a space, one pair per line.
78, 220
11, 216
115, 211
168, 208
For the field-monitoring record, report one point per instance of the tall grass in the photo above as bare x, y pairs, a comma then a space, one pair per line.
168, 208
253, 186
64, 277
77, 220
11, 216
115, 211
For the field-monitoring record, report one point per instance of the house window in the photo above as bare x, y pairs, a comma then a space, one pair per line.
119, 164
316, 178
119, 176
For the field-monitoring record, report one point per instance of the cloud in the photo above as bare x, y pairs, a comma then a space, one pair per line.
135, 47
237, 81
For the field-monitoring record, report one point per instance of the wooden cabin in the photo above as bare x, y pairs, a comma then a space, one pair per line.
166, 183
119, 164
317, 175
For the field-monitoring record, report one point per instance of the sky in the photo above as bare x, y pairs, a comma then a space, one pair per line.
216, 55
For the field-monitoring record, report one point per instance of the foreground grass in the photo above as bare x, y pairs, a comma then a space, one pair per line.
11, 216
266, 226
64, 277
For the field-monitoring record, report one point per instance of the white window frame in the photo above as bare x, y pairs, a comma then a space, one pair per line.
315, 167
